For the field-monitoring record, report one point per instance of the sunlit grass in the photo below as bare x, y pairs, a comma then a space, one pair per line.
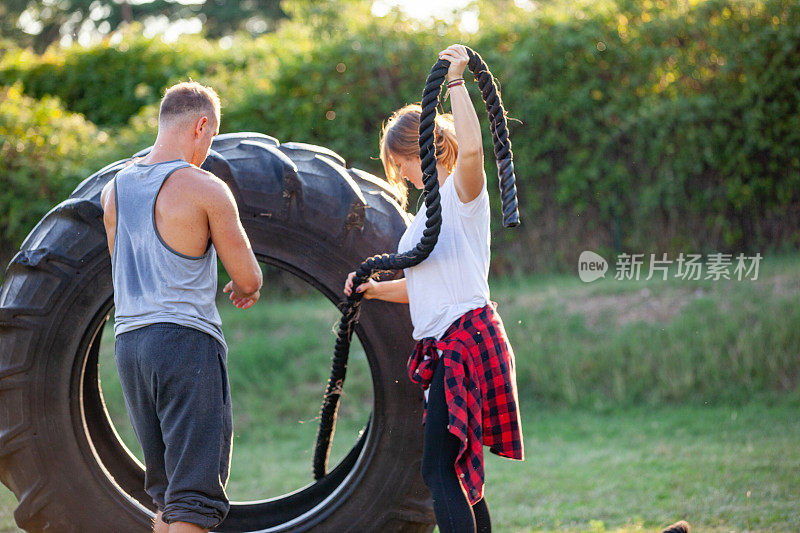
723, 468
720, 467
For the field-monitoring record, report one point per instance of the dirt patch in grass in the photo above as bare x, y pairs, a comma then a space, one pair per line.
628, 307
642, 305
785, 285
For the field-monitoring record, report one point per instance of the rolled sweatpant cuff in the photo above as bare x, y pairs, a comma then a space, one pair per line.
198, 511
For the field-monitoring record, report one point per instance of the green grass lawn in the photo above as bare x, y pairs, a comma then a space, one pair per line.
722, 468
643, 402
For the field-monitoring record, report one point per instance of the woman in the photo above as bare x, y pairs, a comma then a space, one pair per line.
462, 357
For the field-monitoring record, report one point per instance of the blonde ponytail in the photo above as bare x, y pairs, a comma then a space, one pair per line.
446, 143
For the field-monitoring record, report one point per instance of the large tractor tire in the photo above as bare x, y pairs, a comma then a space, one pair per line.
304, 212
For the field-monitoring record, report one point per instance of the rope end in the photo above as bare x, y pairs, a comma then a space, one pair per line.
511, 221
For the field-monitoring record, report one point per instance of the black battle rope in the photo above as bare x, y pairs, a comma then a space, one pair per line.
433, 211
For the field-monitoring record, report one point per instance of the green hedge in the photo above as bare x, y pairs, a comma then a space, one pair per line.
640, 126
45, 152
337, 92
109, 83
665, 127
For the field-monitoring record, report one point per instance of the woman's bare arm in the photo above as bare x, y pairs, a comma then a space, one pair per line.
468, 174
388, 291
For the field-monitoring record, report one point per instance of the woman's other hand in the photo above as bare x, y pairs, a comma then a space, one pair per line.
457, 56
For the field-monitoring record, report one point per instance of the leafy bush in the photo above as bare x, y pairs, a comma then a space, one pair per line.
663, 125
338, 91
658, 126
45, 152
647, 127
109, 83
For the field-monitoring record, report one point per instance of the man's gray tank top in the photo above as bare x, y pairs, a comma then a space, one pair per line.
153, 282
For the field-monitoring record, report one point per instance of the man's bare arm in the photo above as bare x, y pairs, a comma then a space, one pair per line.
229, 238
109, 213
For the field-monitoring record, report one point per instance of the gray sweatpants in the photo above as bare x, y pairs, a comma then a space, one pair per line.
175, 382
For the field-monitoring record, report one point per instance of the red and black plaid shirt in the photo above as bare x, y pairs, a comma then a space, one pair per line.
481, 390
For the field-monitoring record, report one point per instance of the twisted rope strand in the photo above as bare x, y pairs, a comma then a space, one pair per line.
433, 211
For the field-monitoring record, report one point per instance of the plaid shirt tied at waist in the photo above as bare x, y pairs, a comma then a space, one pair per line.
481, 390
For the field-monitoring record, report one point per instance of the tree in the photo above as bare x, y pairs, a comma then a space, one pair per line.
39, 24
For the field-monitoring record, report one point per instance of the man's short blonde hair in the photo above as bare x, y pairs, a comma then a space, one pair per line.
188, 99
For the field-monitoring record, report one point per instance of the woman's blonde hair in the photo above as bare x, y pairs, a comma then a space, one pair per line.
400, 137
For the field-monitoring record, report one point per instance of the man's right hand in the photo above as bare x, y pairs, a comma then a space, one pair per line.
240, 299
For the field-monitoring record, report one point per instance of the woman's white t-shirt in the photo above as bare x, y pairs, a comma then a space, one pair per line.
454, 277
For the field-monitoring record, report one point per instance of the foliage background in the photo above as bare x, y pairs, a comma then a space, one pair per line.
647, 126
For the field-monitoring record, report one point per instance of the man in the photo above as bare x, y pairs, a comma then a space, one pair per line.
166, 220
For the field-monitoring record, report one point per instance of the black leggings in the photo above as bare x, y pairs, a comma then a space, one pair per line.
450, 503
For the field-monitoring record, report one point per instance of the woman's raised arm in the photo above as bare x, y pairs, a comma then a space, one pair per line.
468, 174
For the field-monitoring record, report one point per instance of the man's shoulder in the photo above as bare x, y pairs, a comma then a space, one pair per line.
198, 179
196, 175
206, 187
